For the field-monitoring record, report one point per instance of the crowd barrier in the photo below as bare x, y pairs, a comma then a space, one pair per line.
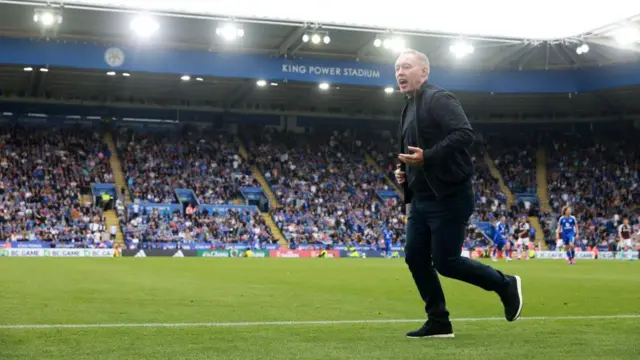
26, 252
280, 253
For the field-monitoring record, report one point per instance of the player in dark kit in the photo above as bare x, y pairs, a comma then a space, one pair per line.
435, 173
625, 246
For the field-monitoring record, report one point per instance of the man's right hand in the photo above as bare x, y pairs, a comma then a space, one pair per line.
401, 176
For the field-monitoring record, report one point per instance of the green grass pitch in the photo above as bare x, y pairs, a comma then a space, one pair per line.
569, 312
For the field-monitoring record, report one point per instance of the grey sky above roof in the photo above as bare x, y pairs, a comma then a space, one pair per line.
542, 20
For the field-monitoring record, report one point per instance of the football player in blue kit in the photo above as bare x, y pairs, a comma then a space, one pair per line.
500, 241
568, 231
388, 240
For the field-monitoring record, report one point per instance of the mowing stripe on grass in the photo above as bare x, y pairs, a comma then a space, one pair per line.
284, 323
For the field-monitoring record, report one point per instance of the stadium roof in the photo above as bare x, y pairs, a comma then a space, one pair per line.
107, 26
90, 22
499, 18
222, 94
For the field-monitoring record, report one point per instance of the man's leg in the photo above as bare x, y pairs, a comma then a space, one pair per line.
418, 258
447, 219
447, 236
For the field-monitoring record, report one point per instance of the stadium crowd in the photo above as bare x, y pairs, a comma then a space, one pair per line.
515, 158
489, 199
162, 229
157, 164
43, 174
326, 188
599, 176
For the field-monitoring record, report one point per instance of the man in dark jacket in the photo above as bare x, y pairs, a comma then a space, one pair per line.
435, 171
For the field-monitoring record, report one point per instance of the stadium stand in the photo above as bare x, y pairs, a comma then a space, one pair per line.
490, 199
326, 188
311, 176
598, 175
209, 164
46, 176
165, 230
515, 158
156, 164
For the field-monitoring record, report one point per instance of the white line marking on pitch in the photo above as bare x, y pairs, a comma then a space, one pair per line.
283, 323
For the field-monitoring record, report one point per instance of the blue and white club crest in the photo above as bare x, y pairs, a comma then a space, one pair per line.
114, 57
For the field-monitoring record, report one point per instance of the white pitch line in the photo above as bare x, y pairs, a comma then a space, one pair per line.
284, 323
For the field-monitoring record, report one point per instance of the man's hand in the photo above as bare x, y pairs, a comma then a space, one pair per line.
415, 158
401, 176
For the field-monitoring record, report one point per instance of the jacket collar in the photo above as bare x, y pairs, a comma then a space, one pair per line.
419, 91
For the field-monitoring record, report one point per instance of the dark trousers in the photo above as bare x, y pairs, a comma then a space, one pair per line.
436, 230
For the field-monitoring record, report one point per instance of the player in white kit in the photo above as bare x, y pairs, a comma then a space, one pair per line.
523, 243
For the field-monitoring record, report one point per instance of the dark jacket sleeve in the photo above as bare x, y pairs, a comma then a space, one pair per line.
448, 112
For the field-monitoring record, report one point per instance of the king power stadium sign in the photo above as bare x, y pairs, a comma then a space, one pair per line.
331, 71
343, 72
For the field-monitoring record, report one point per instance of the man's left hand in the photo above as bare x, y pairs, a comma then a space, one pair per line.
415, 158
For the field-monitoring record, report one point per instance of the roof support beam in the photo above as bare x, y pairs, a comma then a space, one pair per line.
362, 51
604, 52
526, 56
294, 36
572, 55
505, 56
546, 56
611, 44
563, 55
310, 28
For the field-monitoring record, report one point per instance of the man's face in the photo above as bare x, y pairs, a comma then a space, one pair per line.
410, 73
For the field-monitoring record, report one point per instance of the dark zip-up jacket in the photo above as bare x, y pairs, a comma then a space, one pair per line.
444, 134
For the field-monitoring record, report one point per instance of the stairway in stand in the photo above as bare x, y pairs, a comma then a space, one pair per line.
542, 180
257, 174
275, 230
495, 173
116, 166
392, 185
111, 217
534, 221
542, 190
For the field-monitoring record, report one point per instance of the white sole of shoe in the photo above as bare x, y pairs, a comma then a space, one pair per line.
441, 336
519, 284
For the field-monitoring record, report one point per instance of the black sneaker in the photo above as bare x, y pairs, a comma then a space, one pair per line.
512, 298
432, 330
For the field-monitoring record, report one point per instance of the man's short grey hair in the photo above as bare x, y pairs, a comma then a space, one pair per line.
422, 57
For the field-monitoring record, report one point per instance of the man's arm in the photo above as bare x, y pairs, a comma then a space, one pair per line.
448, 112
